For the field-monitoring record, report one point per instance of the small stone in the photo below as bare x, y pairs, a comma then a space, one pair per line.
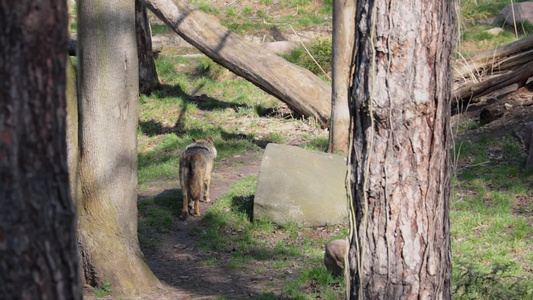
494, 31
281, 47
334, 256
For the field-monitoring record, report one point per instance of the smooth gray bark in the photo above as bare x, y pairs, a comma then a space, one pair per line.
343, 43
108, 103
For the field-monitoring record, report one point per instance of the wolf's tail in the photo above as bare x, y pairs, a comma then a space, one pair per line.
196, 179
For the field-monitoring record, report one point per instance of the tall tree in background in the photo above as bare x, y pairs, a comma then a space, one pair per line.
148, 79
108, 102
38, 254
400, 245
343, 43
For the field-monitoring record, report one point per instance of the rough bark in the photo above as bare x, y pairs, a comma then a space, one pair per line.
401, 92
148, 79
471, 91
343, 43
108, 98
38, 256
304, 92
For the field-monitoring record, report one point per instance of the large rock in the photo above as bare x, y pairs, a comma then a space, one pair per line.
302, 186
522, 12
334, 256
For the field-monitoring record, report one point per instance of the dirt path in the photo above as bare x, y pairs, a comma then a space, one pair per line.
177, 261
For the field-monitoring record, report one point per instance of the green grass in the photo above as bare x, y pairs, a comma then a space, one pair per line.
103, 291
195, 103
329, 286
491, 234
316, 143
156, 216
159, 29
303, 14
320, 49
228, 227
491, 239
472, 26
473, 11
172, 116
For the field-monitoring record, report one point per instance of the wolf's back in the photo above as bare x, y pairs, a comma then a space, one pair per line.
193, 165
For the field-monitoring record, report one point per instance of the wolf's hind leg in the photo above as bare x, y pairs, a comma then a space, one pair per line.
197, 208
184, 211
206, 189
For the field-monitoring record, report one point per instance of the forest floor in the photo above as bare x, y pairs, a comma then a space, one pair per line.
188, 270
184, 269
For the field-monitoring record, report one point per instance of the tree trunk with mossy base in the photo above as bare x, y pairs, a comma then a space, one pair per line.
38, 253
108, 98
400, 179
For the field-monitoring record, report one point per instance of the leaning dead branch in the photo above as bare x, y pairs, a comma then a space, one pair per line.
304, 92
496, 61
474, 90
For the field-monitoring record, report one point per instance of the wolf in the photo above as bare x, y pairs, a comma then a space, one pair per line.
196, 166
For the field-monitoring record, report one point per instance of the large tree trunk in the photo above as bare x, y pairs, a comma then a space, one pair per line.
400, 246
38, 253
301, 90
343, 43
147, 72
108, 98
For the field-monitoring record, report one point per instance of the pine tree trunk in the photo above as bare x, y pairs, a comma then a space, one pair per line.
38, 253
400, 248
108, 93
343, 43
147, 72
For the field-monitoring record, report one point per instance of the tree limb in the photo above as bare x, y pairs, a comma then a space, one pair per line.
301, 90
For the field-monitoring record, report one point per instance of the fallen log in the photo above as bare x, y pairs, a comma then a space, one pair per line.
501, 59
304, 92
492, 113
469, 92
514, 100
